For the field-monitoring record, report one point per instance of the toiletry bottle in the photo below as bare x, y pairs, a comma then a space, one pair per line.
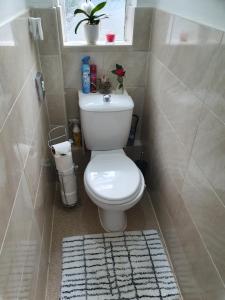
76, 135
93, 69
85, 70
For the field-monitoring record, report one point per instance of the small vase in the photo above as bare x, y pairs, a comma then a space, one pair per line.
91, 33
119, 90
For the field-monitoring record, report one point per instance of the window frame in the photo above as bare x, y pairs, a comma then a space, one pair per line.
128, 37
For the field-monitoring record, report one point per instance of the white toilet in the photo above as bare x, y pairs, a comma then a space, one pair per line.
112, 180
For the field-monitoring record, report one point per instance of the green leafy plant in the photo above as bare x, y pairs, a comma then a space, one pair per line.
91, 18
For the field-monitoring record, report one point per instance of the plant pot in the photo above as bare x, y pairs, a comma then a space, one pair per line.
91, 33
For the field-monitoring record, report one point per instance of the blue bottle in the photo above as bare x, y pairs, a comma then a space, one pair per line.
85, 70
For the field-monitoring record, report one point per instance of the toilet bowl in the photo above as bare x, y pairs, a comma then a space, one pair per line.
115, 184
111, 179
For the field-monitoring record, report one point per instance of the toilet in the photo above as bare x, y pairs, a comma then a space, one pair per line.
111, 179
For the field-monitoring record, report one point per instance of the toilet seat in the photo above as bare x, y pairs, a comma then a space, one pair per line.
113, 178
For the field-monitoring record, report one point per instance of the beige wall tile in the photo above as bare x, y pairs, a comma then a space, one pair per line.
56, 109
141, 32
28, 109
196, 274
13, 255
72, 67
208, 151
191, 49
180, 106
184, 63
160, 34
72, 105
50, 44
32, 252
45, 122
42, 274
40, 203
23, 135
133, 62
51, 66
17, 56
167, 150
10, 169
45, 195
213, 89
35, 160
207, 212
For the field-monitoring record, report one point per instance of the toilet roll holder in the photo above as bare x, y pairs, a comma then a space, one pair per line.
35, 28
57, 135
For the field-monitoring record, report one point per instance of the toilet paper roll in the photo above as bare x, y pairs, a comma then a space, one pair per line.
64, 163
62, 148
69, 199
68, 182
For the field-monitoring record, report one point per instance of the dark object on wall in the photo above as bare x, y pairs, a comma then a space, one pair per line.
133, 130
40, 86
142, 164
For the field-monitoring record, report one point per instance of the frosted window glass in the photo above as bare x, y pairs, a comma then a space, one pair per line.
115, 9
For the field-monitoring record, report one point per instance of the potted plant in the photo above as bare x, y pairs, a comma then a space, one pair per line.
91, 28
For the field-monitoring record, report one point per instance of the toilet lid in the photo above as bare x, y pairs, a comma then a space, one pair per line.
113, 177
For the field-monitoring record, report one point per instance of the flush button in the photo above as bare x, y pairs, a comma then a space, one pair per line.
107, 98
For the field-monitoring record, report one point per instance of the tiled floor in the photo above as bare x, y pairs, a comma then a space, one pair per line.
83, 219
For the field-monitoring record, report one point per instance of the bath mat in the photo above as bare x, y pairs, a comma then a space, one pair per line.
112, 266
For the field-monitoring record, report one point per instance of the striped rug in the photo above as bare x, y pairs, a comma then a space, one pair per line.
112, 266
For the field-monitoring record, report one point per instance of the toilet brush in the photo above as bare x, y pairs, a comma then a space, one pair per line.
141, 164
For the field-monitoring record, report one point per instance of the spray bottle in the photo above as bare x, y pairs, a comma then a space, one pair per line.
85, 70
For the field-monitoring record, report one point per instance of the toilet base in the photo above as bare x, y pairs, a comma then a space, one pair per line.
112, 220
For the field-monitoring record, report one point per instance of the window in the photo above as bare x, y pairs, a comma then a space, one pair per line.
115, 9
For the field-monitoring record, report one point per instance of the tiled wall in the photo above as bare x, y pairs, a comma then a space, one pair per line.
51, 62
54, 58
133, 60
184, 140
26, 184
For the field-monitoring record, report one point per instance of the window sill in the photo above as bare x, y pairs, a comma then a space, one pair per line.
80, 46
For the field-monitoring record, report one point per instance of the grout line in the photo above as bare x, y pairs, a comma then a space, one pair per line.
203, 106
187, 87
210, 184
190, 156
42, 241
203, 242
29, 236
164, 241
51, 239
200, 237
32, 140
18, 96
38, 187
14, 203
11, 213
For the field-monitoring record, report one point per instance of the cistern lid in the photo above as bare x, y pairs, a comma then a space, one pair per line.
95, 102
113, 178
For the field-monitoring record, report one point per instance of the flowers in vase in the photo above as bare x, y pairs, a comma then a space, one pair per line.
120, 73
